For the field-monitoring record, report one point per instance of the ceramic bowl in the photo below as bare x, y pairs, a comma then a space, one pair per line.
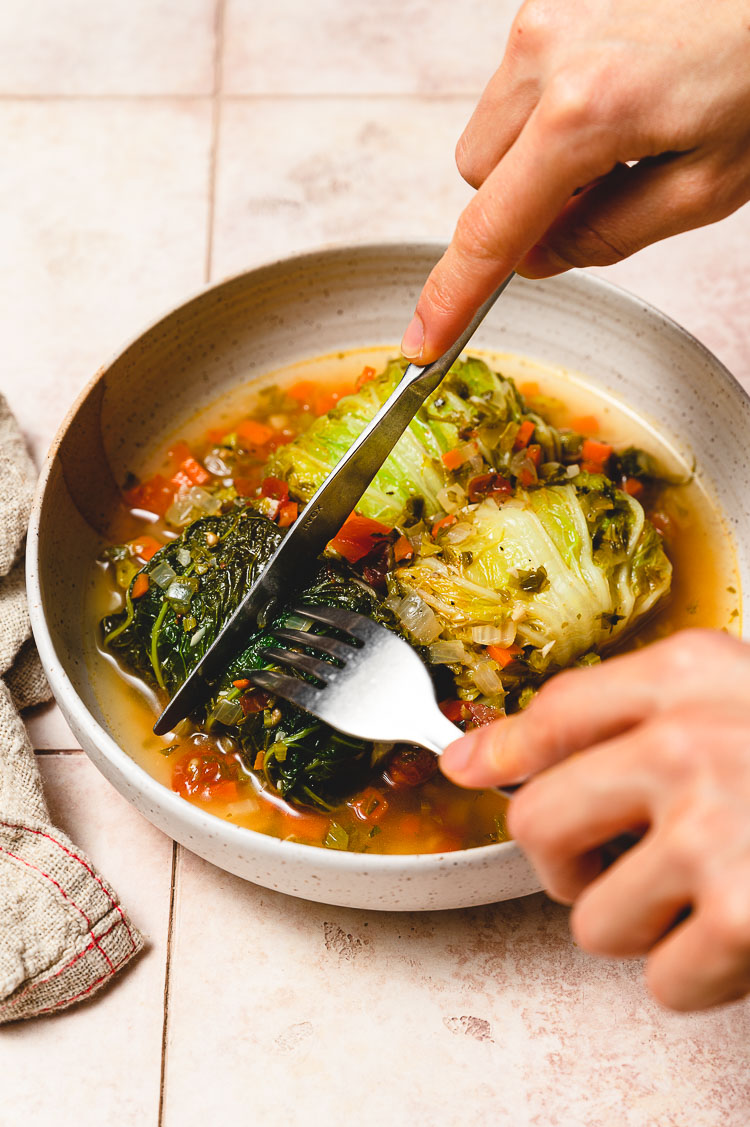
279, 314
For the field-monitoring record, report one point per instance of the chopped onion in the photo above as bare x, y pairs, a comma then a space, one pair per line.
203, 500
268, 506
180, 512
546, 648
183, 556
457, 533
502, 635
216, 465
573, 471
163, 574
196, 637
418, 619
447, 653
297, 622
225, 711
486, 679
180, 592
451, 497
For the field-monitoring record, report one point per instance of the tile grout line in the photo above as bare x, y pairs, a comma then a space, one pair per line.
215, 128
167, 976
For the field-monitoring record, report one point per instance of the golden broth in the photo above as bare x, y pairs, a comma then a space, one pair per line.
434, 816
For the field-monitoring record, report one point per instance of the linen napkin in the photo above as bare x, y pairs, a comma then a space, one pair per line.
63, 934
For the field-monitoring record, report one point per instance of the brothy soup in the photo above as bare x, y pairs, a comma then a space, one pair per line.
524, 524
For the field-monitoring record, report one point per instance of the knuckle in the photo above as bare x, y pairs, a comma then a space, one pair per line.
673, 742
728, 918
533, 25
689, 838
575, 98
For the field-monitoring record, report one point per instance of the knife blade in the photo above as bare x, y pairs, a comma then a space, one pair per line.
318, 522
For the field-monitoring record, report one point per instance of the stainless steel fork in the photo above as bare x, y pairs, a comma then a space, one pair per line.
374, 685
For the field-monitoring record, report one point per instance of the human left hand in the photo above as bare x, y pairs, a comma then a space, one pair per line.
656, 742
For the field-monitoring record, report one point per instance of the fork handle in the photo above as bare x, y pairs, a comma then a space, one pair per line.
444, 732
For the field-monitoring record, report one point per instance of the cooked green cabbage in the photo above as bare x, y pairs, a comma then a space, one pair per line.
472, 402
560, 570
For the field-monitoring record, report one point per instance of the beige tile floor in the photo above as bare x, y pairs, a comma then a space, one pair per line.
149, 147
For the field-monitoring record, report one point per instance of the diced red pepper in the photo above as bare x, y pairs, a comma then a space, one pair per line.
481, 714
358, 536
454, 710
534, 454
140, 586
489, 485
242, 683
153, 496
403, 549
197, 473
253, 702
288, 512
204, 776
525, 431
178, 453
145, 547
274, 487
528, 476
245, 486
443, 523
411, 766
182, 480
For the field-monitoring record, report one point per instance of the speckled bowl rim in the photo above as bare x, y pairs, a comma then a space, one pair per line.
191, 816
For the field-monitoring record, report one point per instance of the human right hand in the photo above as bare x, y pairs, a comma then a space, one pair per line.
583, 91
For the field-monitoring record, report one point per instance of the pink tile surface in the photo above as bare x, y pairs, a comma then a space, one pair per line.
490, 1016
294, 173
100, 1062
121, 47
103, 214
359, 47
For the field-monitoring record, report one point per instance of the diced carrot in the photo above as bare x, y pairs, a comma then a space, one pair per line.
145, 547
317, 398
443, 523
452, 459
140, 586
534, 454
529, 390
197, 473
274, 487
288, 511
304, 823
595, 455
523, 438
216, 435
259, 759
403, 549
242, 683
503, 655
364, 377
253, 432
586, 424
528, 476
633, 486
358, 536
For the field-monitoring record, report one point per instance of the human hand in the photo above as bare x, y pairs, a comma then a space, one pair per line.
664, 740
584, 89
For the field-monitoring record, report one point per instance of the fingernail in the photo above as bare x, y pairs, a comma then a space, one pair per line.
413, 341
458, 756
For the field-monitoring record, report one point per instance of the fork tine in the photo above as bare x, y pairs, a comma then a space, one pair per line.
303, 663
351, 623
301, 693
332, 646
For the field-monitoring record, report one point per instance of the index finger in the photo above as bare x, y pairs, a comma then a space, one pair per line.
561, 147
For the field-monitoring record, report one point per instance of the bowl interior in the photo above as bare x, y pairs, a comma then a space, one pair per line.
325, 302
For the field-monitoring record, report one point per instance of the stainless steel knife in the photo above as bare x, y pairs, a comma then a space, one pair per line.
318, 523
